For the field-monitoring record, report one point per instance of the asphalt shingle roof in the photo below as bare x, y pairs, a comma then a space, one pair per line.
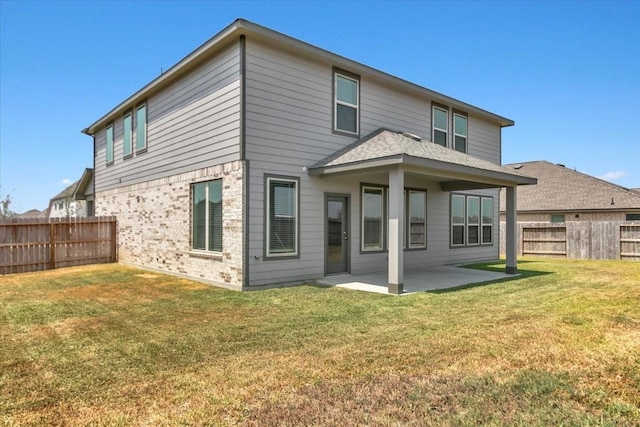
385, 143
563, 189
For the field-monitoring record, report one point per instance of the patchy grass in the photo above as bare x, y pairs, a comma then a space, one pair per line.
112, 345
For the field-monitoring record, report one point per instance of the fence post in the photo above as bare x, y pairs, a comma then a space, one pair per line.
114, 243
52, 246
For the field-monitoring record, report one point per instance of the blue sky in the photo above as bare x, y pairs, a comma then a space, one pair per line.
568, 73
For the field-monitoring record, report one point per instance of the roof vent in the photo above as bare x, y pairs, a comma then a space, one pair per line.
518, 166
412, 136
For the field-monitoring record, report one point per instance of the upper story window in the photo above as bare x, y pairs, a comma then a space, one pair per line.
141, 128
460, 132
109, 152
346, 114
127, 137
440, 126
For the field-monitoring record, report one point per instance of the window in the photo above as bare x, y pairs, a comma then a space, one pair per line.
557, 218
109, 152
372, 218
457, 220
282, 217
471, 220
127, 135
440, 128
417, 219
633, 217
375, 213
460, 133
346, 103
206, 223
487, 221
141, 128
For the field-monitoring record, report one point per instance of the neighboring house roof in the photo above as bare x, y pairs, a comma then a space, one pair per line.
563, 189
241, 27
67, 193
78, 189
33, 213
387, 147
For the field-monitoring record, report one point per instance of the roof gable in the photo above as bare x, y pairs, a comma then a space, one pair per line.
242, 27
563, 189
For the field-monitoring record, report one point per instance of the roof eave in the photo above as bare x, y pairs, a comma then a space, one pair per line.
442, 169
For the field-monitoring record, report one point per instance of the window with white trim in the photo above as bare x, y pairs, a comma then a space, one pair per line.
372, 218
109, 148
460, 132
471, 220
440, 119
141, 128
127, 135
282, 217
346, 104
206, 223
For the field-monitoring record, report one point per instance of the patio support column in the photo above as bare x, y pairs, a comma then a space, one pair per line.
512, 231
396, 218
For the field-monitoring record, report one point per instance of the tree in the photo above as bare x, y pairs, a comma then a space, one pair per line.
5, 207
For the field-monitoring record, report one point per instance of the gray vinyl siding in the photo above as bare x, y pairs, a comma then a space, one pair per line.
193, 123
289, 126
483, 140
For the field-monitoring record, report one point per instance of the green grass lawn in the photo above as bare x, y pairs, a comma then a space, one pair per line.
112, 345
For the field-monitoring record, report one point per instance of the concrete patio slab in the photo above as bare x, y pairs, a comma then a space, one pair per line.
415, 280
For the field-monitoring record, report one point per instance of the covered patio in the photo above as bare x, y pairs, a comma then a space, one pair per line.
415, 280
397, 154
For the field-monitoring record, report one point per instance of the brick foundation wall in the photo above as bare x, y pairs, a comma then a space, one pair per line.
154, 225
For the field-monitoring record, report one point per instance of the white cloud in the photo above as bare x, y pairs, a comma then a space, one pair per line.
612, 176
66, 182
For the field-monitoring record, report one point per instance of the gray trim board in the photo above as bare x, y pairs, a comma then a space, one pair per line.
245, 223
243, 96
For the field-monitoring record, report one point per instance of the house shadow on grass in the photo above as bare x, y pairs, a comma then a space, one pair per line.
497, 267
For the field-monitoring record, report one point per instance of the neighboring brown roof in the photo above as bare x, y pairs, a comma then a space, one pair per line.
67, 193
33, 213
77, 190
563, 189
390, 147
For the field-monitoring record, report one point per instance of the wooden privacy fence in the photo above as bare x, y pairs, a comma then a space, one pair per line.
577, 240
44, 244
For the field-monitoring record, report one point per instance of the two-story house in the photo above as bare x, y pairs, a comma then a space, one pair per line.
259, 159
